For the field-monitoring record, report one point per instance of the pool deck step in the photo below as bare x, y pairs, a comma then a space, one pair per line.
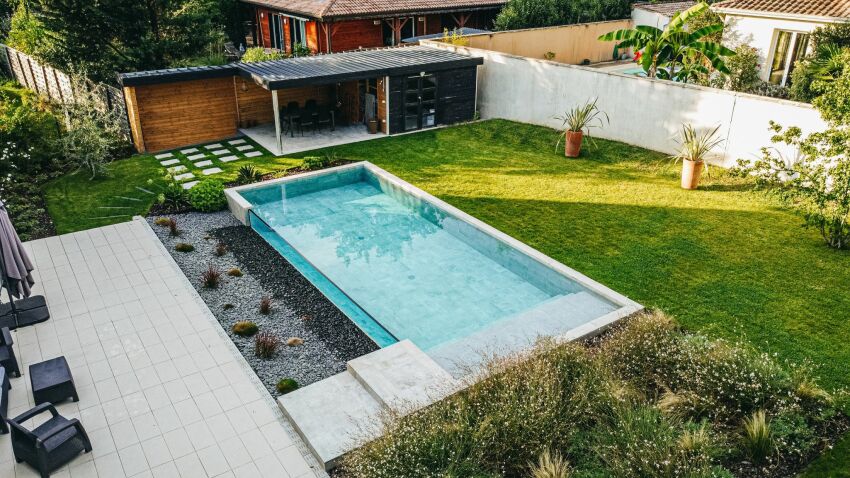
402, 377
332, 416
336, 415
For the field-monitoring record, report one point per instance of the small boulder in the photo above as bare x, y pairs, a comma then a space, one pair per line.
294, 341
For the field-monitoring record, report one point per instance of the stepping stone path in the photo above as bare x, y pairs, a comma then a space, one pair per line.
214, 146
189, 185
253, 154
169, 162
236, 141
246, 147
195, 157
201, 164
227, 159
189, 151
177, 169
163, 155
220, 152
207, 172
184, 176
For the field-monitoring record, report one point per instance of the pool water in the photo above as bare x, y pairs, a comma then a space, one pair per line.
402, 268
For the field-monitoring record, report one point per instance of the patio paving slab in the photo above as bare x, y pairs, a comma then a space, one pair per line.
214, 146
220, 152
201, 164
163, 391
181, 177
189, 150
177, 169
236, 141
227, 159
253, 154
169, 162
163, 155
189, 185
210, 171
195, 157
246, 147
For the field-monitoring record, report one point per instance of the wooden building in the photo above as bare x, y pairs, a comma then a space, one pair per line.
327, 26
401, 89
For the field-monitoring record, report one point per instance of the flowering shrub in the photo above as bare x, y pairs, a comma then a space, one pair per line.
648, 400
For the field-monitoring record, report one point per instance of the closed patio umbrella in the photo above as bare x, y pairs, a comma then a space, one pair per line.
16, 274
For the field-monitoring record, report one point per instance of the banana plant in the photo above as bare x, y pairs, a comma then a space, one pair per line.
661, 52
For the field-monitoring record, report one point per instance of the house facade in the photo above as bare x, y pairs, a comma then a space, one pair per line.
779, 29
327, 26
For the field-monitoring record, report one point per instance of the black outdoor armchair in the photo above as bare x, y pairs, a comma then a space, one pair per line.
5, 386
7, 353
49, 445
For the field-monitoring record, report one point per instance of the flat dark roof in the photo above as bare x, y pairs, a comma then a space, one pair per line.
318, 69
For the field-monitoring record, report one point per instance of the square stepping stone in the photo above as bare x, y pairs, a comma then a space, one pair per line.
236, 141
189, 151
163, 155
253, 154
177, 169
201, 164
189, 185
196, 157
214, 146
220, 152
184, 176
207, 172
246, 147
169, 162
227, 159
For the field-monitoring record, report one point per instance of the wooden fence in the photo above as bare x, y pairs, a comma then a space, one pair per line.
57, 86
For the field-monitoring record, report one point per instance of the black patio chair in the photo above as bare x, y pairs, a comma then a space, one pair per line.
308, 116
325, 115
49, 445
7, 353
292, 116
5, 386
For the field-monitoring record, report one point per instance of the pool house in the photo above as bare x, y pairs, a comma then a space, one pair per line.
302, 103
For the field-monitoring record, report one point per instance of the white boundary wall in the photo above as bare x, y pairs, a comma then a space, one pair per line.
643, 112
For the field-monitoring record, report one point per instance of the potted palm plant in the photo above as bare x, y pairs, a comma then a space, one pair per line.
576, 124
694, 146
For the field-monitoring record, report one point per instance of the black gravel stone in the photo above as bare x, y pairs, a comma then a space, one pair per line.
298, 308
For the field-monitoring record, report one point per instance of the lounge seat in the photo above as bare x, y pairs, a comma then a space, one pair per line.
50, 445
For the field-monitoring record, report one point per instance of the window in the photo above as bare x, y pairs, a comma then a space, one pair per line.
790, 47
276, 31
297, 32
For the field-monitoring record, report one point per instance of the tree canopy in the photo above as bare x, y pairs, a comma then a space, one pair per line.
103, 37
544, 13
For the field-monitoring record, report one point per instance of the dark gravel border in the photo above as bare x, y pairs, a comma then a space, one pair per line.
299, 309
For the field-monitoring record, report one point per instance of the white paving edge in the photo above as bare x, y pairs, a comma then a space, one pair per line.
317, 468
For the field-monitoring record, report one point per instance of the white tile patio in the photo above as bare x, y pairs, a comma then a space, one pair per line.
163, 391
265, 136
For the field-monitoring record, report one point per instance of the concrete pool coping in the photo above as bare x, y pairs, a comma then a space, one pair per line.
353, 404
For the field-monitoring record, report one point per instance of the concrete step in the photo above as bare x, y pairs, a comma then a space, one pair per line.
333, 416
552, 318
402, 377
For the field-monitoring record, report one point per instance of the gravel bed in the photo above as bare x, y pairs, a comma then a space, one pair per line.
298, 310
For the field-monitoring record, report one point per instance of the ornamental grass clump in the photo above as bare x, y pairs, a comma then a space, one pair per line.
550, 465
266, 305
266, 344
757, 438
211, 278
245, 328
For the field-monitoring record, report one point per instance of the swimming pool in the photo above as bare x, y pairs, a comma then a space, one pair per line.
405, 265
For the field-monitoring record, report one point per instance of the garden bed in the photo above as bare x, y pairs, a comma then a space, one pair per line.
299, 310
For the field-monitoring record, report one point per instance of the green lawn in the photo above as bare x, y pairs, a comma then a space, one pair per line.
76, 203
724, 259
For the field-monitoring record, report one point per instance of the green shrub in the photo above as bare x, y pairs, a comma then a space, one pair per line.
316, 162
173, 195
208, 196
29, 134
245, 328
184, 247
286, 385
256, 54
517, 14
248, 174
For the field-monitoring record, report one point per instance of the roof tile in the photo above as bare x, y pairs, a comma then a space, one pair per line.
815, 8
325, 9
667, 9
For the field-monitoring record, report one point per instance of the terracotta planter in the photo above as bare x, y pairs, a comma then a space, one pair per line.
373, 126
572, 143
691, 172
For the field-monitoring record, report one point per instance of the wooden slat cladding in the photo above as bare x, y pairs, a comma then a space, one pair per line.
354, 34
255, 102
188, 112
383, 125
456, 95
